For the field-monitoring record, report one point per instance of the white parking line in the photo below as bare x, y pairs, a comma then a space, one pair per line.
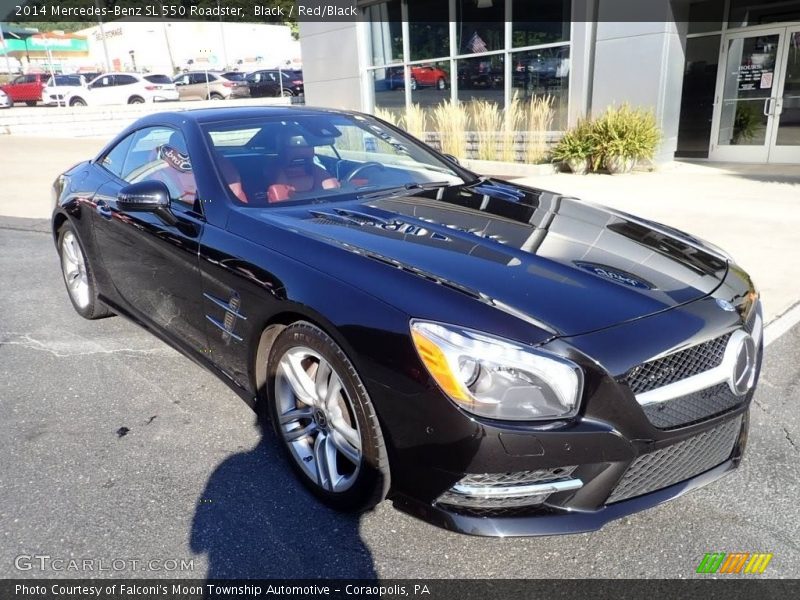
780, 325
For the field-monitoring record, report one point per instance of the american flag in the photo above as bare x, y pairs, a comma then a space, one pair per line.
476, 44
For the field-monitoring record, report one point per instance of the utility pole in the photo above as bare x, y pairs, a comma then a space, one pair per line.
102, 35
169, 48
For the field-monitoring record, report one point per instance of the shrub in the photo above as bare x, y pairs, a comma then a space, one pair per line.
577, 143
415, 121
450, 120
539, 119
626, 133
387, 115
487, 120
512, 119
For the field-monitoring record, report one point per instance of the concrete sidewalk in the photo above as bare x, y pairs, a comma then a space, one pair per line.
751, 211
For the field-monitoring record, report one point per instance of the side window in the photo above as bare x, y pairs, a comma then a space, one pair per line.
161, 154
102, 82
182, 80
114, 160
124, 80
196, 78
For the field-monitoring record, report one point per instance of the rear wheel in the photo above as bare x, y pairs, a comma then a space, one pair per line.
287, 93
216, 96
413, 84
135, 100
79, 276
30, 102
441, 83
325, 419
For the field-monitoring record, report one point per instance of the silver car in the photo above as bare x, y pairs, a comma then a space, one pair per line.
5, 101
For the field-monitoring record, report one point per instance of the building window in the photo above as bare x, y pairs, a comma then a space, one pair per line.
385, 37
430, 83
541, 22
463, 49
697, 96
480, 26
481, 78
428, 29
744, 13
542, 73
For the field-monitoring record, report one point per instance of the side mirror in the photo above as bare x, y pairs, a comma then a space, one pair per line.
147, 196
452, 158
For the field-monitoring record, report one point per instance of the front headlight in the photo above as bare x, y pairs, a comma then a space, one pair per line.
497, 378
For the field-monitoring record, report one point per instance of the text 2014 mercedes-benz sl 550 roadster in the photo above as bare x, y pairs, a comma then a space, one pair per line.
495, 359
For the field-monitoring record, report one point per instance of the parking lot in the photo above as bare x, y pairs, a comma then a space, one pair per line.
114, 446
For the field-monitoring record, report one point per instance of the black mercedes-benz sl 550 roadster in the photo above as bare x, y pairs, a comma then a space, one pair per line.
495, 359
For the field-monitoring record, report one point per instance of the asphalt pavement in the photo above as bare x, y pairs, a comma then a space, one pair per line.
114, 447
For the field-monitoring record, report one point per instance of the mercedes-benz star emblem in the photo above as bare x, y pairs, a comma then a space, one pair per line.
725, 305
744, 366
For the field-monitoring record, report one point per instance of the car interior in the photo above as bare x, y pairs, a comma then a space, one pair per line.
283, 160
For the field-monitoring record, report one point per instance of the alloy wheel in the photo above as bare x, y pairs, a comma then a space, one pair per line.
317, 419
73, 265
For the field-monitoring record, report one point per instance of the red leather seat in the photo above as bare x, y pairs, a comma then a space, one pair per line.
297, 173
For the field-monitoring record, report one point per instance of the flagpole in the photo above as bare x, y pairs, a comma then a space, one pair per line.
5, 50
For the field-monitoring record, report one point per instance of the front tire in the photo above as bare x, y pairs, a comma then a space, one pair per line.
287, 93
77, 102
79, 276
30, 102
325, 419
136, 100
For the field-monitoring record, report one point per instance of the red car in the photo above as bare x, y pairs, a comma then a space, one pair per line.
26, 88
421, 76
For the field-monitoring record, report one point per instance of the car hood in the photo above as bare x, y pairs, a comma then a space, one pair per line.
569, 265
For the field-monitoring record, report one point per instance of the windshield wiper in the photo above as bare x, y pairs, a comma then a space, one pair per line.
400, 189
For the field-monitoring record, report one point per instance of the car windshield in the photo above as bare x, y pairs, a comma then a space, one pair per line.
319, 157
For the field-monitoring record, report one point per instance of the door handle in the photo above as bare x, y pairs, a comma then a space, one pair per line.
103, 209
766, 106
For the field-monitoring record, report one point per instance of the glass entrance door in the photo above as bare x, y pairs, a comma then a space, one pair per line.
757, 113
786, 145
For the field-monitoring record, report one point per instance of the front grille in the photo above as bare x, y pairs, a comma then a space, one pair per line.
678, 462
692, 408
676, 366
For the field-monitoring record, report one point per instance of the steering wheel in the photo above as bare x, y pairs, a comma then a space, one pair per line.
364, 167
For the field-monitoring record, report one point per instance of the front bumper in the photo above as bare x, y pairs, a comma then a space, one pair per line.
557, 517
625, 455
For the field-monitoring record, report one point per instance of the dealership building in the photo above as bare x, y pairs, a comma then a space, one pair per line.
723, 76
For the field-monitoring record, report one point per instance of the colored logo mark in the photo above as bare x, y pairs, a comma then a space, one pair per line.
734, 562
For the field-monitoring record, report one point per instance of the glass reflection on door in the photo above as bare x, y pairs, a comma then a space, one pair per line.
789, 120
748, 86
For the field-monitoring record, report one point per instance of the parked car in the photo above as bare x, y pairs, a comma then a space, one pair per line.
496, 358
26, 88
5, 101
124, 88
235, 75
56, 88
480, 75
421, 76
204, 85
272, 82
